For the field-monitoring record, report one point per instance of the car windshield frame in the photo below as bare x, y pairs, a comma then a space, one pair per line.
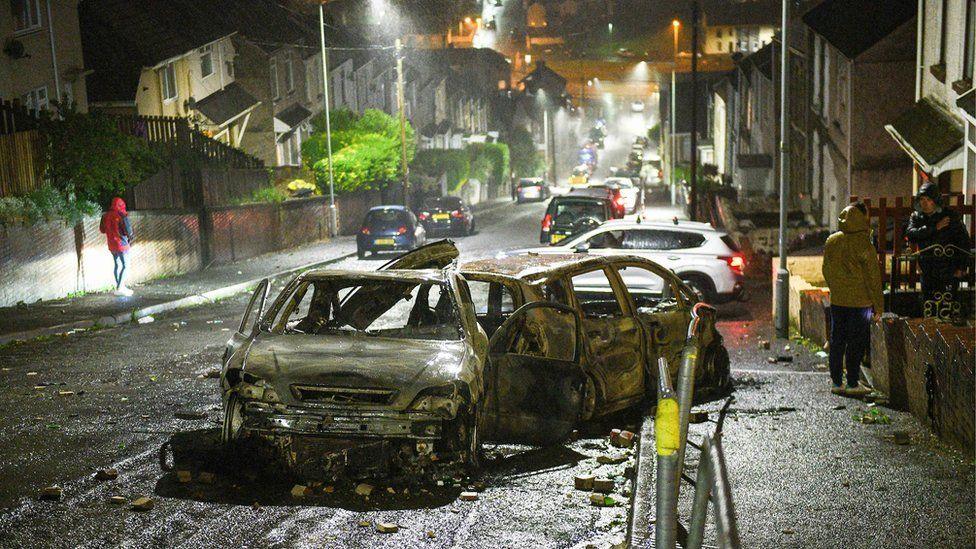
357, 281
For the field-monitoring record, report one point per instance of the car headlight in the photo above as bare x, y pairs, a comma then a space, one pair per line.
254, 388
442, 399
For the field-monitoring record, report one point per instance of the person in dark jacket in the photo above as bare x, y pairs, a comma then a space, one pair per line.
943, 243
118, 233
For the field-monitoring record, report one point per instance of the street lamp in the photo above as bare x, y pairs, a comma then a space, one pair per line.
676, 27
333, 217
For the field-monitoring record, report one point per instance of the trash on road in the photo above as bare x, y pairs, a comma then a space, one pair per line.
601, 500
621, 438
116, 500
584, 482
603, 485
821, 354
611, 459
764, 344
107, 474
300, 491
873, 416
469, 496
387, 527
142, 504
51, 493
364, 489
698, 417
149, 319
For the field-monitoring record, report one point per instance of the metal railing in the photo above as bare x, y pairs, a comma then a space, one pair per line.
671, 437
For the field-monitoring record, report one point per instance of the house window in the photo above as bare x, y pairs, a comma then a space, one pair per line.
718, 46
289, 74
944, 24
36, 99
206, 61
718, 33
167, 82
731, 46
27, 14
296, 149
273, 75
228, 56
969, 55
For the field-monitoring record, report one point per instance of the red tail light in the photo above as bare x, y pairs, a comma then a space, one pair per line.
619, 200
423, 216
402, 230
364, 230
736, 262
458, 214
546, 222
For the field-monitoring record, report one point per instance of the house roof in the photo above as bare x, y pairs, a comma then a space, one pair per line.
542, 77
294, 115
761, 59
227, 104
747, 13
927, 133
967, 102
853, 26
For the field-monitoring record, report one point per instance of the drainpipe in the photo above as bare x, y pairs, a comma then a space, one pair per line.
919, 69
54, 53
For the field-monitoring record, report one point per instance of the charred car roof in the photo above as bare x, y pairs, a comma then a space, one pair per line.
532, 267
432, 275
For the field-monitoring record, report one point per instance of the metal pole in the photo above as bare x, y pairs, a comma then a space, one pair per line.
666, 434
333, 217
693, 169
686, 390
403, 124
672, 152
703, 492
782, 293
54, 57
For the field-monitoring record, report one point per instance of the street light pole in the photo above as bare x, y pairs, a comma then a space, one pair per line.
403, 124
672, 152
693, 168
781, 295
333, 217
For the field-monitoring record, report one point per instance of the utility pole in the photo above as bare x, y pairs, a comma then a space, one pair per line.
693, 171
672, 148
403, 124
781, 295
333, 217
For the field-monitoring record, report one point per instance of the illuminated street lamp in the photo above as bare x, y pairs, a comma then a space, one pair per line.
676, 27
333, 217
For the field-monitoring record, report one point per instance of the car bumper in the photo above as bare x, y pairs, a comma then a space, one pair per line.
738, 292
383, 243
434, 227
260, 418
528, 195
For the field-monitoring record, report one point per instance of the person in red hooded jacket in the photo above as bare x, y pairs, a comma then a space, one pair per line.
118, 232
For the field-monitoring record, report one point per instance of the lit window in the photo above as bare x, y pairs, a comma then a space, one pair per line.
27, 14
273, 75
167, 78
289, 74
206, 61
36, 99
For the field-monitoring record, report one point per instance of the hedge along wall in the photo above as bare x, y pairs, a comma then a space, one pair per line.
51, 260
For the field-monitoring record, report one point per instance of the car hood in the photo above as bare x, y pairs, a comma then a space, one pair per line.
405, 366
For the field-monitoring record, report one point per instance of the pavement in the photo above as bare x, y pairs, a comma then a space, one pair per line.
803, 472
69, 315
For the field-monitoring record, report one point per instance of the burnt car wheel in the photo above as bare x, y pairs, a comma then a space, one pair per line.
233, 420
717, 366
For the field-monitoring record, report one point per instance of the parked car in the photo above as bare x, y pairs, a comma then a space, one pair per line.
446, 214
706, 259
389, 229
579, 176
599, 190
532, 189
637, 106
408, 369
569, 215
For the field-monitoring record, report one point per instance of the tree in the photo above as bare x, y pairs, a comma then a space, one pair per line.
366, 150
524, 158
88, 158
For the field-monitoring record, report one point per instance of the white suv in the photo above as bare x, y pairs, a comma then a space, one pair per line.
706, 259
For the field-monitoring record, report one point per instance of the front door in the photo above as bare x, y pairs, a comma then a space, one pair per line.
533, 382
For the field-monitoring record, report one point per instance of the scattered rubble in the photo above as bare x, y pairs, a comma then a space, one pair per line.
621, 439
469, 496
764, 344
184, 476
601, 500
142, 504
107, 474
149, 319
873, 416
603, 485
66, 393
610, 460
698, 417
584, 482
51, 493
784, 358
387, 527
116, 500
365, 524
300, 491
431, 534
364, 489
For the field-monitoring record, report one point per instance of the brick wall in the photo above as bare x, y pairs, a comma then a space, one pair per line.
51, 260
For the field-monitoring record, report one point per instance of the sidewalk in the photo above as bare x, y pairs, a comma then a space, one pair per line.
105, 309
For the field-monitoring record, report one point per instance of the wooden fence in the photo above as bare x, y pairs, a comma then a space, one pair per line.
892, 220
174, 132
21, 162
15, 117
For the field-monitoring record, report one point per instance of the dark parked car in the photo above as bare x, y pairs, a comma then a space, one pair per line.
446, 214
532, 189
608, 191
389, 229
573, 214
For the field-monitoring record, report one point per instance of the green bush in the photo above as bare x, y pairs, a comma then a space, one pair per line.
455, 163
490, 161
45, 204
526, 160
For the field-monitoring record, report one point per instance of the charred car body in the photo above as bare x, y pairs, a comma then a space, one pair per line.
407, 369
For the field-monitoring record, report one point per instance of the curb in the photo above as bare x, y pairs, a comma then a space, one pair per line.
642, 511
135, 314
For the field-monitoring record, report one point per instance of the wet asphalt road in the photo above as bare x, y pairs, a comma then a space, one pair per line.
126, 384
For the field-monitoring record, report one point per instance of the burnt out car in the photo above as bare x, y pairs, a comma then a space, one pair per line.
406, 370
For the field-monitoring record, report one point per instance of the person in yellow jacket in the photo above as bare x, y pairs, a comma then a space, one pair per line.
850, 267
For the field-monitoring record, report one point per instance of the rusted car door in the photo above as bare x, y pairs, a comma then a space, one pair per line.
534, 383
253, 312
612, 337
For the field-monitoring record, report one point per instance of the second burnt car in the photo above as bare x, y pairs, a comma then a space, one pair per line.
406, 370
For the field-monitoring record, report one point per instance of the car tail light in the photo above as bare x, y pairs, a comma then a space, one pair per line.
458, 214
364, 230
402, 229
546, 222
423, 216
736, 262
